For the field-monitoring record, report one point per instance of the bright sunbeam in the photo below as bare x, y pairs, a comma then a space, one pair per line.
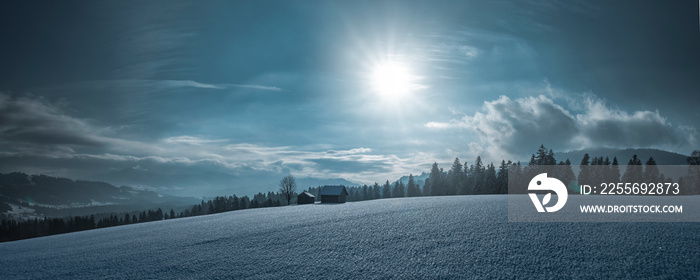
391, 80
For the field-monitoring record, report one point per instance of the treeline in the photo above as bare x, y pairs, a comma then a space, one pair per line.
460, 179
11, 229
480, 178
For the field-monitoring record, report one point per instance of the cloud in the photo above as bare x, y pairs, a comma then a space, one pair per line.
604, 126
42, 137
469, 51
35, 121
508, 128
271, 88
440, 125
349, 166
213, 165
161, 85
191, 140
187, 83
194, 84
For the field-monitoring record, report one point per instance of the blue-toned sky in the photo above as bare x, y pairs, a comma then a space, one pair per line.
266, 88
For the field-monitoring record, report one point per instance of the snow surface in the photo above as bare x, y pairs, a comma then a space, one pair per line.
423, 238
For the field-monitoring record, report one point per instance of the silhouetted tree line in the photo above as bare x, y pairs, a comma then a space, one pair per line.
11, 229
480, 178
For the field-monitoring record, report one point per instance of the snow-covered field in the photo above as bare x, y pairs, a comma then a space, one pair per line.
423, 238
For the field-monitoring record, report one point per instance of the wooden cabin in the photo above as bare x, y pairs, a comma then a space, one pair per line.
306, 198
334, 194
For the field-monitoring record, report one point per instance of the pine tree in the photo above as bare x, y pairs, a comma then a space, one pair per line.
479, 176
544, 157
614, 172
411, 189
436, 184
568, 177
398, 189
490, 179
550, 158
386, 190
584, 171
427, 187
502, 177
594, 177
633, 172
243, 203
694, 158
651, 172
533, 161
454, 178
468, 184
693, 177
376, 193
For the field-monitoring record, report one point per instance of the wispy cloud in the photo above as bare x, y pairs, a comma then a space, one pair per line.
191, 140
272, 88
161, 85
186, 83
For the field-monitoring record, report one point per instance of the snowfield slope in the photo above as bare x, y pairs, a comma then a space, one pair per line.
424, 238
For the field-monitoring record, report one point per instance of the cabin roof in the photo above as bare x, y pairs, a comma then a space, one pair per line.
333, 190
306, 194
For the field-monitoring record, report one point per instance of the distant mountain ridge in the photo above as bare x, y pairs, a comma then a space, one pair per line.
419, 179
624, 155
41, 195
307, 182
200, 183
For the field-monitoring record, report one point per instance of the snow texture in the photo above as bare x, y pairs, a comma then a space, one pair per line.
408, 238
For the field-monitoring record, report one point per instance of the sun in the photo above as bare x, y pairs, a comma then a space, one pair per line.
391, 80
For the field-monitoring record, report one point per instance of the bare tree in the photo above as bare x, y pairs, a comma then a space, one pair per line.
288, 186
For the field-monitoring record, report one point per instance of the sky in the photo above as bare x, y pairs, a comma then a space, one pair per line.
366, 91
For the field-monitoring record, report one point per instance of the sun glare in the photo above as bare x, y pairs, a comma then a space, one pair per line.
391, 80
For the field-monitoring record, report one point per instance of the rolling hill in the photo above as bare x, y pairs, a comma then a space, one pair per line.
418, 238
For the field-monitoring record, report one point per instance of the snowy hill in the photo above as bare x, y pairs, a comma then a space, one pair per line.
421, 238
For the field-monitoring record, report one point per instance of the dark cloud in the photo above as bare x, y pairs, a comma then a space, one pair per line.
603, 126
514, 127
35, 121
